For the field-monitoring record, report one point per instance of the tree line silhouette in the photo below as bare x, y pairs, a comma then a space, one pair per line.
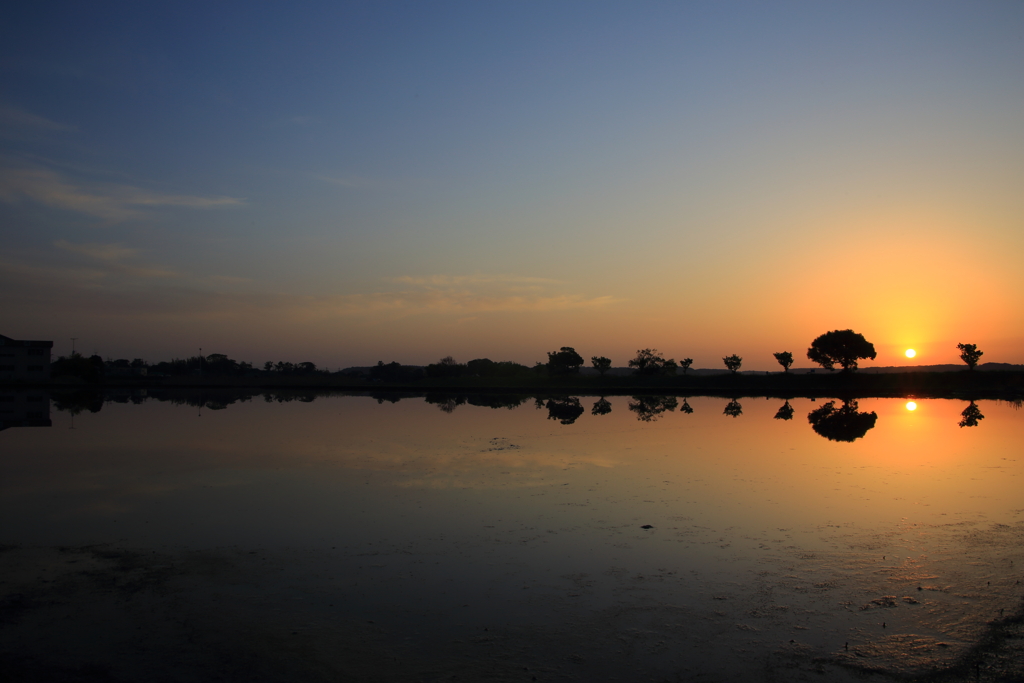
842, 348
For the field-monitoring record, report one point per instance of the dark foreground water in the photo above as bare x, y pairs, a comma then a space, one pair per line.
353, 538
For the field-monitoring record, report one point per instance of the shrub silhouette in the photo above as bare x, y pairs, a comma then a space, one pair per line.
733, 362
601, 364
785, 359
842, 347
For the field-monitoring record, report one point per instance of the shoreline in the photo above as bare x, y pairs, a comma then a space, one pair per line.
964, 385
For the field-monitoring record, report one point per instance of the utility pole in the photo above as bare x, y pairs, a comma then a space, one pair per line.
200, 361
73, 340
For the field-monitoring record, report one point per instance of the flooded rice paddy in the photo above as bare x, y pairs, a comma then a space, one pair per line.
512, 539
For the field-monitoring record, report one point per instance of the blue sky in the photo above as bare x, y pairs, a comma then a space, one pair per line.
345, 183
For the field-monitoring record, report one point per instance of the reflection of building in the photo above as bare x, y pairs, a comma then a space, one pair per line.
24, 409
27, 361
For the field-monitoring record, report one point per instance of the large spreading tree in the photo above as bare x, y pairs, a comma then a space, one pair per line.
840, 347
564, 361
651, 362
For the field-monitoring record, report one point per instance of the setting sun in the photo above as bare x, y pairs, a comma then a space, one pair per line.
911, 353
911, 405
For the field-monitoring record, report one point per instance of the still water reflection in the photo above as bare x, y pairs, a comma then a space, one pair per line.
458, 535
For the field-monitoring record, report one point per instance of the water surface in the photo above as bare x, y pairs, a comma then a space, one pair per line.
361, 538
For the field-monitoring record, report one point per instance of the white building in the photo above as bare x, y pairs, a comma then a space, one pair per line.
25, 361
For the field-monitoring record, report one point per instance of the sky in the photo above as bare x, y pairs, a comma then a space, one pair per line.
345, 183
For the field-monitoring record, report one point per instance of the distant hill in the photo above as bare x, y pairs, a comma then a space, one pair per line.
704, 372
949, 367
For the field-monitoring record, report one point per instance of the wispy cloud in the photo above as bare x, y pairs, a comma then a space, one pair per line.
103, 252
449, 302
112, 202
14, 120
477, 280
461, 295
112, 283
348, 181
112, 256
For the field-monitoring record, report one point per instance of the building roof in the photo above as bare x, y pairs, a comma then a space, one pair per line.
7, 341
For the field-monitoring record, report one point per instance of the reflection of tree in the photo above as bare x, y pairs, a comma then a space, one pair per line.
445, 402
508, 401
649, 408
601, 407
733, 409
785, 412
565, 410
971, 416
841, 424
77, 402
685, 408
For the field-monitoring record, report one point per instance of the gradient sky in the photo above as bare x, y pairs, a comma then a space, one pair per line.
351, 182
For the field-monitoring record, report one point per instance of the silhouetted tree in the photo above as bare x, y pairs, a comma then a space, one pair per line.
481, 367
785, 412
77, 365
733, 408
733, 362
393, 371
651, 362
970, 354
566, 410
601, 364
841, 424
685, 364
446, 367
564, 361
268, 366
601, 407
785, 359
843, 347
650, 408
971, 416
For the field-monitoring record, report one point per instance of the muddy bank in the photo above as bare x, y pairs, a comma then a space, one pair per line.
105, 613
